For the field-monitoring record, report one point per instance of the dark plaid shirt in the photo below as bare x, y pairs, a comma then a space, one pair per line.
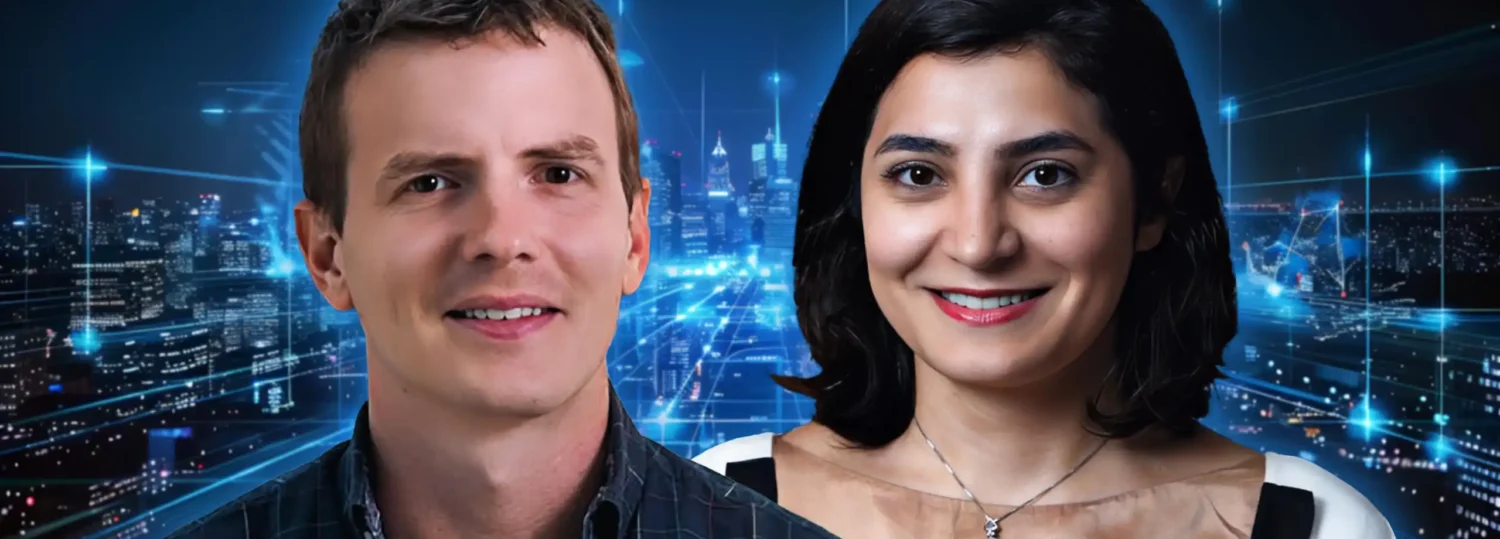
649, 492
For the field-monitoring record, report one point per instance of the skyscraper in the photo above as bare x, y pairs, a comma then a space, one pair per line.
777, 216
760, 169
671, 167
719, 183
721, 208
662, 214
694, 219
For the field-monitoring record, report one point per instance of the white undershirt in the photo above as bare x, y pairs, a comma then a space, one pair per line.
1340, 512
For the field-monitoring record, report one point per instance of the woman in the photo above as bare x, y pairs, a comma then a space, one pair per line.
1013, 268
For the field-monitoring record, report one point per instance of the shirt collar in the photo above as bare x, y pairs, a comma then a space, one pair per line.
626, 455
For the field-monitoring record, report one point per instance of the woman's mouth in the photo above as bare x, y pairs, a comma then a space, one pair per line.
985, 307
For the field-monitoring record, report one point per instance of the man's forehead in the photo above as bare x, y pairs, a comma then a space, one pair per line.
433, 98
545, 43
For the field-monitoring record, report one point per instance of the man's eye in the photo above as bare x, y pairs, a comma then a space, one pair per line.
559, 175
429, 183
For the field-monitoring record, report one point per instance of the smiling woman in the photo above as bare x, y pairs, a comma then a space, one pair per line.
1013, 268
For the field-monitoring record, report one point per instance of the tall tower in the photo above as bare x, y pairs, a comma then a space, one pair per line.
719, 183
780, 217
720, 206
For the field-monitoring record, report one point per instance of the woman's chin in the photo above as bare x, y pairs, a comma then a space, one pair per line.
986, 370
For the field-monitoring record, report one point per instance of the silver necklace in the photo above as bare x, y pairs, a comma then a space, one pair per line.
992, 524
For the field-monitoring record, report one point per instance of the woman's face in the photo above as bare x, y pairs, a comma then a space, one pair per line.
997, 217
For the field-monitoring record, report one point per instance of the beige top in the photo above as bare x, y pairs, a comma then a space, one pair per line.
1215, 505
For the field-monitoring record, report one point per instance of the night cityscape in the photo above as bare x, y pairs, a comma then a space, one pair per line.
162, 348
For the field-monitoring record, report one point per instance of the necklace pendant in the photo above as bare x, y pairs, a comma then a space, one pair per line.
991, 528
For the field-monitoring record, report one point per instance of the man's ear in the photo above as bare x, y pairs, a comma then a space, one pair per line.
323, 251
639, 255
1152, 228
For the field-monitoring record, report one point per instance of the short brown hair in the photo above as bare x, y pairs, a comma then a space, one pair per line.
359, 27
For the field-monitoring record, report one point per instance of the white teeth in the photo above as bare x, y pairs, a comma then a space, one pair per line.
502, 314
973, 302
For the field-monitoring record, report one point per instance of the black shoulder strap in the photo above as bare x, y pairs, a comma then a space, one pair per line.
1283, 513
758, 474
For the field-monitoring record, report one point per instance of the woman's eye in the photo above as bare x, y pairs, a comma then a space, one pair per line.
1046, 176
429, 183
916, 176
559, 175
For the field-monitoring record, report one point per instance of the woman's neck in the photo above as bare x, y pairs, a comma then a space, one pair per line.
1006, 445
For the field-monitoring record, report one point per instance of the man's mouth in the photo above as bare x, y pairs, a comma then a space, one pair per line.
516, 313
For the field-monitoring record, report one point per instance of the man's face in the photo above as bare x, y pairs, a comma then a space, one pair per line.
487, 240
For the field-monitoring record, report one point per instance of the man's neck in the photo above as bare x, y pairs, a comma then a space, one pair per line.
454, 473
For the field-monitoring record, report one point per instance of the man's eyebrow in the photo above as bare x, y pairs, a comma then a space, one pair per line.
916, 144
408, 163
568, 148
1049, 141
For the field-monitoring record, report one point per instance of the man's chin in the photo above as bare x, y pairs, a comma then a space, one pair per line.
505, 400
522, 386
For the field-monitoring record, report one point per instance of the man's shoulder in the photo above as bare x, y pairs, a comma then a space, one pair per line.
694, 497
305, 498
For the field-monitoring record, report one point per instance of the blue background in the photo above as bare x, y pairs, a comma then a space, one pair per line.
162, 349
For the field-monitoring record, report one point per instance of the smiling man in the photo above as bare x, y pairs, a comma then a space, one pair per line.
473, 192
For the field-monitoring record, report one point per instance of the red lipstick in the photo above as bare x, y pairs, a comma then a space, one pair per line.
985, 317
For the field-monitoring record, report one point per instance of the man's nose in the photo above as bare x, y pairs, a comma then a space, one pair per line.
501, 225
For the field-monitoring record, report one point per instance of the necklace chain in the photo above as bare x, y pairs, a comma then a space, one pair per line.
992, 524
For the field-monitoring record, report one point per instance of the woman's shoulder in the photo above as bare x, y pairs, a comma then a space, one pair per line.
1339, 510
718, 458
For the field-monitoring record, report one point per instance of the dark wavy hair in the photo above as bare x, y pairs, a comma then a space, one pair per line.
1177, 312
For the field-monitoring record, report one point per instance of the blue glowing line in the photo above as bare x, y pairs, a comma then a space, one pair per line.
263, 93
34, 301
88, 245
73, 163
714, 335
69, 520
90, 166
663, 327
1478, 30
1245, 379
1369, 321
197, 175
1229, 160
776, 78
1442, 287
138, 394
703, 121
1394, 174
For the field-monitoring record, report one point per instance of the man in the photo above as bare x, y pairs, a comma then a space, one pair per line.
473, 191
